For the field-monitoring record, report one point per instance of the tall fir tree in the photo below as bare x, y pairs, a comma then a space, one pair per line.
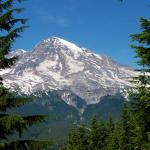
78, 139
103, 135
110, 125
141, 94
9, 32
97, 135
126, 129
94, 133
10, 123
112, 141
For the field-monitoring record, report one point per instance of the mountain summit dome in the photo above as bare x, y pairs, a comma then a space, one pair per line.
58, 43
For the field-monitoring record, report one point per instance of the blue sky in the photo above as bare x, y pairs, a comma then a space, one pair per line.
103, 26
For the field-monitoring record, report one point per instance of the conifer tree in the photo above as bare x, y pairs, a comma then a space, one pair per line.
11, 123
77, 139
126, 129
141, 93
103, 135
110, 125
97, 135
94, 133
9, 32
112, 141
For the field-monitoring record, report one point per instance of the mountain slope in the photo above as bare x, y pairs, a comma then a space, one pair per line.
56, 64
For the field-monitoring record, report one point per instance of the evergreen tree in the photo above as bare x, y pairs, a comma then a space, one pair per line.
77, 139
112, 141
126, 129
12, 123
110, 125
9, 32
94, 133
141, 94
97, 135
103, 135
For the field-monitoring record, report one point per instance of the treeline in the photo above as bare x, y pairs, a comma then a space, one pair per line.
109, 135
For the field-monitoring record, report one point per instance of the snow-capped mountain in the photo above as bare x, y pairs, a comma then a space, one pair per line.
56, 64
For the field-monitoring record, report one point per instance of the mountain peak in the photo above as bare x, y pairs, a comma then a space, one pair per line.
64, 42
59, 44
18, 51
58, 64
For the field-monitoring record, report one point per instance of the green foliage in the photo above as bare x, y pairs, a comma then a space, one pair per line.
126, 127
94, 134
110, 125
87, 138
77, 139
112, 141
26, 144
9, 100
12, 123
109, 136
11, 28
141, 93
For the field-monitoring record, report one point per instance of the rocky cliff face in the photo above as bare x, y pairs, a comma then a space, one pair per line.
56, 64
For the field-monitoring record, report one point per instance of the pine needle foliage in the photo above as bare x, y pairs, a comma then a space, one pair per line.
141, 93
10, 28
12, 123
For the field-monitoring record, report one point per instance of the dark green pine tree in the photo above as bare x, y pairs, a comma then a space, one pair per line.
97, 135
93, 133
102, 135
8, 32
141, 93
11, 123
112, 141
77, 139
110, 125
126, 130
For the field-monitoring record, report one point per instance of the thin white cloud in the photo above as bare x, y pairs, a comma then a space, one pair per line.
58, 20
53, 19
